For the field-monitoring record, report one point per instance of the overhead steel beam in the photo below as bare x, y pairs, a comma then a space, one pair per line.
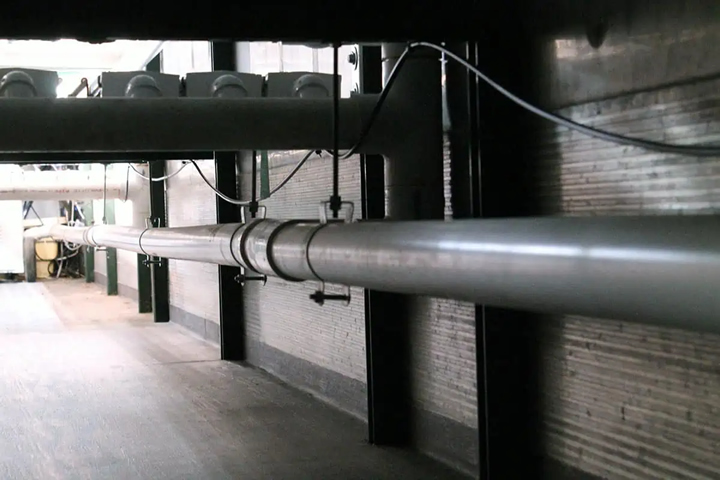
178, 124
352, 22
214, 20
95, 157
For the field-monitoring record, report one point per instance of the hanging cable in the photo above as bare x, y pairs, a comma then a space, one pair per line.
694, 150
156, 179
234, 201
375, 112
127, 184
290, 175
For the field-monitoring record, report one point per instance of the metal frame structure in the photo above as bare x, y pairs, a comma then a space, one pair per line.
232, 321
146, 292
386, 326
506, 348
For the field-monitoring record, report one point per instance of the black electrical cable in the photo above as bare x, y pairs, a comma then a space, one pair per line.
290, 175
156, 179
694, 150
234, 201
374, 113
127, 183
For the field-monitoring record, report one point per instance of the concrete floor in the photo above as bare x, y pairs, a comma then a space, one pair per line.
91, 389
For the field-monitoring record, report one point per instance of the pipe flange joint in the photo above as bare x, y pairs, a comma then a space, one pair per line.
245, 259
271, 239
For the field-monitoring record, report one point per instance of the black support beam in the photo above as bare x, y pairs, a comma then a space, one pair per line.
508, 359
268, 20
159, 270
319, 20
232, 322
466, 201
386, 321
144, 273
111, 269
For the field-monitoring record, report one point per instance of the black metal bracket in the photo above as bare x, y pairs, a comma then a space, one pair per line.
320, 297
152, 261
261, 212
150, 222
243, 277
349, 210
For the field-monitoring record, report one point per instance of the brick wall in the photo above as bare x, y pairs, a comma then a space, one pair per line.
194, 300
318, 348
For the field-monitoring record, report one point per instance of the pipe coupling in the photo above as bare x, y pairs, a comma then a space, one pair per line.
279, 248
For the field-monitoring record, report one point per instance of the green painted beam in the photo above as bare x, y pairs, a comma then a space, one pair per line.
264, 175
89, 252
145, 303
111, 253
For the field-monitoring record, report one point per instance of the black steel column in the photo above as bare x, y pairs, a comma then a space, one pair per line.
466, 201
159, 271
144, 274
232, 322
386, 323
507, 347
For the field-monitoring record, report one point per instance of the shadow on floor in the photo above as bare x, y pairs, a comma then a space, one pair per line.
91, 389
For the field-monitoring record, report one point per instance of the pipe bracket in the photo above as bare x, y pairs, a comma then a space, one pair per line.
261, 210
150, 223
349, 211
319, 296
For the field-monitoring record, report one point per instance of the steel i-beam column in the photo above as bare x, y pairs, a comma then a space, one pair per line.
232, 321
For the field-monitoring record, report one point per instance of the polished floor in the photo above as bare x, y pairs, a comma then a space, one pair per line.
89, 389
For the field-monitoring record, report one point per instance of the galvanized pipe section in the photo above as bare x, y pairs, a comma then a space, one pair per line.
177, 124
69, 185
660, 270
645, 269
211, 243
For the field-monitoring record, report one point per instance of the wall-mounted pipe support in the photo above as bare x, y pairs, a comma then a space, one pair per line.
661, 270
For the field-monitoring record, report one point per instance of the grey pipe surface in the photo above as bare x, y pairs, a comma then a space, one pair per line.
210, 243
177, 124
659, 270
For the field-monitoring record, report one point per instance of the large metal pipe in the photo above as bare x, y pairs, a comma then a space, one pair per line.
177, 124
414, 154
661, 270
69, 184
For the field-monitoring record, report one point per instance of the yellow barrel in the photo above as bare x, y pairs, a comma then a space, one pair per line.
46, 250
